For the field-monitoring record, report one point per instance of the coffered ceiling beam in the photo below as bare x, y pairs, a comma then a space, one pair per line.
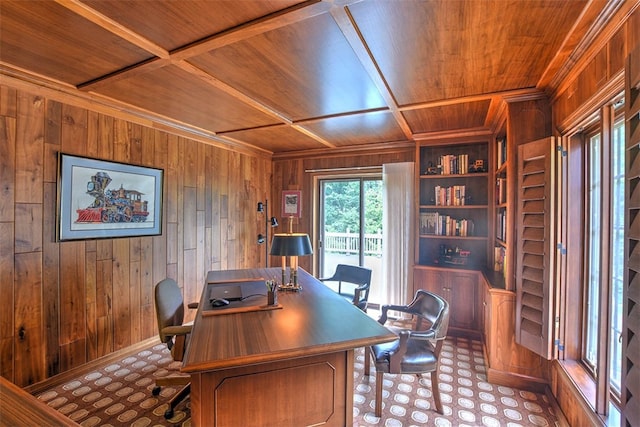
355, 39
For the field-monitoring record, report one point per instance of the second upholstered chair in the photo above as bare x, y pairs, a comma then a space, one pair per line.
353, 283
417, 350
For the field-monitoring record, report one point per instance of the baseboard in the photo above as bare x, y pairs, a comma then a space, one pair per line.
465, 333
90, 366
510, 379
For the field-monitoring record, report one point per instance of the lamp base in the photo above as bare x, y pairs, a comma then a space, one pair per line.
289, 287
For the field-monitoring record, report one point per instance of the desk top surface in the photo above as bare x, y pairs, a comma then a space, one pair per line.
312, 321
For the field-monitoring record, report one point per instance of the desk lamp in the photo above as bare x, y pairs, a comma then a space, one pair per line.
290, 245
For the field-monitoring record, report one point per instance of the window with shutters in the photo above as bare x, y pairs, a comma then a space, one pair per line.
590, 230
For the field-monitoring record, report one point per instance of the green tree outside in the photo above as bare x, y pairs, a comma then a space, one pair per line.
342, 206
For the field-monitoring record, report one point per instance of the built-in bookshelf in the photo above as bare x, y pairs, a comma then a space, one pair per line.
501, 206
453, 205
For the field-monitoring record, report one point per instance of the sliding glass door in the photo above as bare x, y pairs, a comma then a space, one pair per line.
350, 226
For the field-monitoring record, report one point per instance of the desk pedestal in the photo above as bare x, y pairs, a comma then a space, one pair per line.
302, 391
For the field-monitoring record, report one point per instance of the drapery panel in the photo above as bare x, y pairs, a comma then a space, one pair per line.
397, 231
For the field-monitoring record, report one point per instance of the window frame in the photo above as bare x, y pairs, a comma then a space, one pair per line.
574, 280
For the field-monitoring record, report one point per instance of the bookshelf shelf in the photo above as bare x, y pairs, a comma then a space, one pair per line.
453, 207
443, 237
465, 175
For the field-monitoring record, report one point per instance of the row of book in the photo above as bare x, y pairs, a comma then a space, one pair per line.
450, 196
501, 150
437, 224
451, 164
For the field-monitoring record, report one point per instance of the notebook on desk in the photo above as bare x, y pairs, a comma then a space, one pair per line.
230, 293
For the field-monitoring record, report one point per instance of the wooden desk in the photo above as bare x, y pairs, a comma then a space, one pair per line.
292, 366
19, 408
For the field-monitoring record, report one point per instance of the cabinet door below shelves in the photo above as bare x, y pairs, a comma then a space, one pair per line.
459, 288
463, 292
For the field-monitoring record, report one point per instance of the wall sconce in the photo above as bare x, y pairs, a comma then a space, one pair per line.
273, 222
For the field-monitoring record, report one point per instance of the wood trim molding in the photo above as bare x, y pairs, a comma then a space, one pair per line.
613, 87
360, 150
101, 104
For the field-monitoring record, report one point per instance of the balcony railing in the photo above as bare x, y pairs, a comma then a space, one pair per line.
349, 243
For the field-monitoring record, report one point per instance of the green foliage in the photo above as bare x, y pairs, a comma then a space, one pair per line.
342, 206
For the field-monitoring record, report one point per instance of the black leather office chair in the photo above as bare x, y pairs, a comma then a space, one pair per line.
416, 350
173, 332
353, 283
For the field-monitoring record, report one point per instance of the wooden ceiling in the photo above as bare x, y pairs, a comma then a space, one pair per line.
280, 76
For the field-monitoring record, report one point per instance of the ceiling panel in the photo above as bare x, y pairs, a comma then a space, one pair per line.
358, 129
173, 24
435, 50
289, 75
303, 70
448, 117
276, 138
48, 39
172, 92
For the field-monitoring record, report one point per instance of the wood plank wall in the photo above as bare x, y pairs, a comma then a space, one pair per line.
68, 303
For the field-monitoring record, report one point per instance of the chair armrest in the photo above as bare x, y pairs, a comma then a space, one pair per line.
429, 334
356, 296
395, 358
193, 305
177, 330
332, 279
383, 317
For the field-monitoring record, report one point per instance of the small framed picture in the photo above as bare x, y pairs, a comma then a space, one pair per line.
291, 203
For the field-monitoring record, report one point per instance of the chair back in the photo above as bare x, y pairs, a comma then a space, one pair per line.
169, 307
432, 308
359, 276
352, 274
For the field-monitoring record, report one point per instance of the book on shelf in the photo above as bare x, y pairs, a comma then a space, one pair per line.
500, 260
501, 151
434, 223
428, 222
451, 164
501, 191
501, 225
450, 196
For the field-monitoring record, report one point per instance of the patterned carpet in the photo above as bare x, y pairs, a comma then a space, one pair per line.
467, 398
119, 394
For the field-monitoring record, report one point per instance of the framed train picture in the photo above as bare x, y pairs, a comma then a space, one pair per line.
101, 199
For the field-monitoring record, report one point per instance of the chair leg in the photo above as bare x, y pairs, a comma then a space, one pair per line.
436, 391
179, 397
367, 360
379, 378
